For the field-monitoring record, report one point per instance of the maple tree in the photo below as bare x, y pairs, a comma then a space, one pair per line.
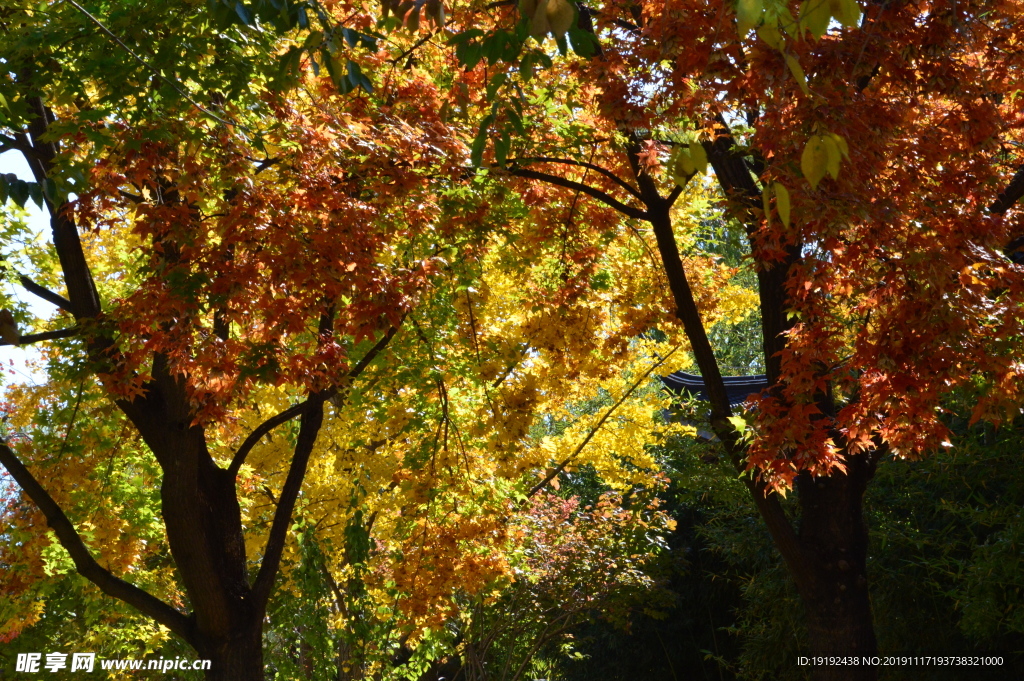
282, 299
208, 279
874, 165
871, 165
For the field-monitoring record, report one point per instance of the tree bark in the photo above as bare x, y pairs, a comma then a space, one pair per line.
204, 530
834, 542
237, 658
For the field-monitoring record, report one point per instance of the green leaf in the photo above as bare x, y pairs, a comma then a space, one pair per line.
357, 77
798, 73
17, 191
243, 13
493, 47
682, 164
832, 162
480, 141
357, 540
501, 147
495, 84
815, 16
583, 43
469, 54
770, 35
739, 423
313, 40
748, 15
516, 120
844, 148
465, 36
699, 157
846, 12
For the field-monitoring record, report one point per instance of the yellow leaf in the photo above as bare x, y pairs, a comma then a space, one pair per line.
561, 15
539, 25
782, 202
814, 160
699, 156
798, 73
844, 148
832, 150
684, 162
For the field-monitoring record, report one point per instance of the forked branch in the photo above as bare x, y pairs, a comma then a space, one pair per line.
85, 564
297, 410
601, 196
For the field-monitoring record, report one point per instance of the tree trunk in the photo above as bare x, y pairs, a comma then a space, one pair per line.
834, 541
204, 531
239, 658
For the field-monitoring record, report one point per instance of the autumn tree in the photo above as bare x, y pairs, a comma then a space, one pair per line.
281, 298
869, 151
211, 271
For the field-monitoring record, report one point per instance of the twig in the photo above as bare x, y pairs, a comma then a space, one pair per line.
593, 431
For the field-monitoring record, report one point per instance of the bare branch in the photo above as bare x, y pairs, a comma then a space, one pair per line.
44, 293
44, 336
583, 164
601, 196
85, 564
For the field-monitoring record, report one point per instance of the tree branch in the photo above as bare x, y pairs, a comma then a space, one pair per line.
12, 144
1009, 196
44, 336
82, 294
583, 164
85, 564
601, 196
731, 169
44, 293
288, 414
256, 435
593, 431
309, 428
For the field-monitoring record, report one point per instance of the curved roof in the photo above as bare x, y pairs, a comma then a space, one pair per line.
738, 388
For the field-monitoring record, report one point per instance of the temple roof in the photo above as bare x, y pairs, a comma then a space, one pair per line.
738, 388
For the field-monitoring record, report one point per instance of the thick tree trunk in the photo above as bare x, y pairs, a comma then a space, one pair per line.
239, 658
204, 531
834, 542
